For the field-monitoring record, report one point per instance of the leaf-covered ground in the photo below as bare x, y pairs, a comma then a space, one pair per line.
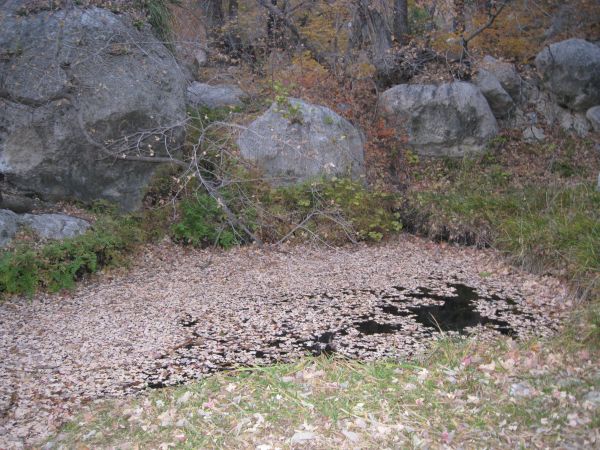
181, 315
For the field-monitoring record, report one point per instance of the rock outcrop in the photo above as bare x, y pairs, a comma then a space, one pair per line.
570, 71
76, 86
297, 141
218, 96
45, 226
447, 120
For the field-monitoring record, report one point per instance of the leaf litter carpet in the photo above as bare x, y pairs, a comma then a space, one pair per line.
180, 314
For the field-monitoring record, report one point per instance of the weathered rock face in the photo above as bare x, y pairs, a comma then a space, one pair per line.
219, 96
447, 120
311, 141
507, 75
46, 226
63, 72
499, 100
570, 70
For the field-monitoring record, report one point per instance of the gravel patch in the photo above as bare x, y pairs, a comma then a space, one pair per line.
180, 314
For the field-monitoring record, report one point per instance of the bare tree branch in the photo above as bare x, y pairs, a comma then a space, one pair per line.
491, 19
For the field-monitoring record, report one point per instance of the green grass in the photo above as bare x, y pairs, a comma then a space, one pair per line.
160, 17
459, 395
554, 226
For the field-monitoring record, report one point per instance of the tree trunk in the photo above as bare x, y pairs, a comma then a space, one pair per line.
401, 21
370, 30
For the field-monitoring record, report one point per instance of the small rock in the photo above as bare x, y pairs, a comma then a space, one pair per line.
167, 418
507, 75
218, 96
200, 59
89, 435
533, 134
568, 382
593, 397
351, 436
54, 226
184, 398
182, 423
531, 117
574, 122
8, 226
302, 436
521, 390
593, 115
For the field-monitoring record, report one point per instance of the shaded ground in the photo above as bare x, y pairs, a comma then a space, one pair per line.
178, 316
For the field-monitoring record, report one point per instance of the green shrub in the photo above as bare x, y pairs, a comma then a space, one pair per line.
372, 215
19, 273
203, 223
58, 265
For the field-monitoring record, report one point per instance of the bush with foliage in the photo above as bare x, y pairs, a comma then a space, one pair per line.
58, 265
335, 210
203, 223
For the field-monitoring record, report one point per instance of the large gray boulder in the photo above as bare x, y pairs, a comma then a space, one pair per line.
77, 86
507, 75
570, 70
298, 141
218, 96
448, 120
499, 100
